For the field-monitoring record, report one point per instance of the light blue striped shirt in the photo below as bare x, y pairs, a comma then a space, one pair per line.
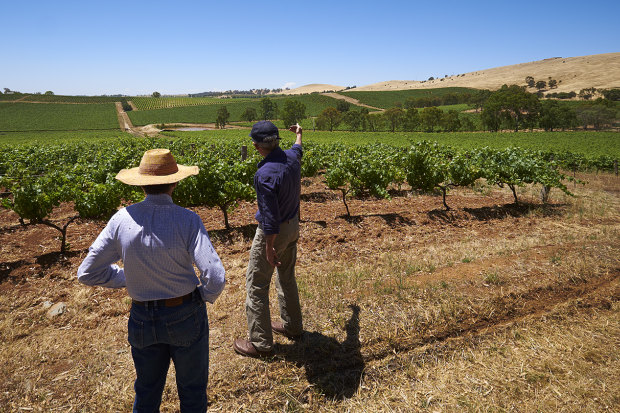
158, 242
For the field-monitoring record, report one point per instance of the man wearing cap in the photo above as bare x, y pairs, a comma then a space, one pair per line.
159, 243
278, 185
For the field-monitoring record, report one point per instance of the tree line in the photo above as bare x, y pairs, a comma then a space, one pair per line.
509, 108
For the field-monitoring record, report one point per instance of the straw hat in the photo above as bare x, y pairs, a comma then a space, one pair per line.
156, 167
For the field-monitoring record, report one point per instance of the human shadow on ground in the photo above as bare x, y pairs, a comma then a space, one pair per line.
333, 368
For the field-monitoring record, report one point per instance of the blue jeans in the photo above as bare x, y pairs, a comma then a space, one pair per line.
157, 334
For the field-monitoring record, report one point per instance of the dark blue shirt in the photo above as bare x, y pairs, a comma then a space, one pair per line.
278, 186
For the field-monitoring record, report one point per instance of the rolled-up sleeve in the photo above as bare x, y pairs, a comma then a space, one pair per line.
98, 268
212, 273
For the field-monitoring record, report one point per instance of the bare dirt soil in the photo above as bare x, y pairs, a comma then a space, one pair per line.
407, 307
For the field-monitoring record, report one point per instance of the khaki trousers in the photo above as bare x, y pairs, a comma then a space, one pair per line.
258, 279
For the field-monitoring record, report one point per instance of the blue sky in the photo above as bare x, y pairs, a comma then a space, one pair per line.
137, 47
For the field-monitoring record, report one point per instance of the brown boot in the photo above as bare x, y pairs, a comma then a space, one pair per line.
278, 328
245, 348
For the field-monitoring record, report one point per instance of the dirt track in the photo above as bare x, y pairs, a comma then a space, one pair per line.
350, 100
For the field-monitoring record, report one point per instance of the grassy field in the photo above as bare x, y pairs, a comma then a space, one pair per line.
21, 116
55, 137
387, 99
591, 144
150, 103
315, 103
59, 98
587, 143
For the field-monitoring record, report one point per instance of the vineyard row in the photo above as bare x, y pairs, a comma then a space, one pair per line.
40, 178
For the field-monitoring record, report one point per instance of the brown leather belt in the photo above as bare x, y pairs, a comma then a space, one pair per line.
168, 302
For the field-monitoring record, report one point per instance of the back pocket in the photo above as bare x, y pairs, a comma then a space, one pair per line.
135, 332
185, 331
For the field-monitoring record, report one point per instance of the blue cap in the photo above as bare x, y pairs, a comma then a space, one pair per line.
263, 129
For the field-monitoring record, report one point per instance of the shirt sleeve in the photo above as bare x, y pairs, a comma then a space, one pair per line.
267, 200
212, 273
299, 151
98, 268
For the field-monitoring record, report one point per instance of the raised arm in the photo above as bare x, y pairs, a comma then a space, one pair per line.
296, 129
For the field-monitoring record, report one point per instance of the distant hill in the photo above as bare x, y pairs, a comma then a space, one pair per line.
601, 71
314, 87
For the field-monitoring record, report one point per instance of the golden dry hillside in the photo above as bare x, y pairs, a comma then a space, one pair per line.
601, 71
311, 88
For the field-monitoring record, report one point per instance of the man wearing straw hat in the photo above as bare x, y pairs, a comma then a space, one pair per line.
278, 186
159, 242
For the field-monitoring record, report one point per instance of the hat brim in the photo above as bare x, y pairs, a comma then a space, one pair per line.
133, 176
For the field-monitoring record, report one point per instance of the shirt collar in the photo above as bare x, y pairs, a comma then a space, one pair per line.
159, 199
271, 156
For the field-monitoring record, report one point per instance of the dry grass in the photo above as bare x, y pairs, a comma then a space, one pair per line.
601, 71
491, 308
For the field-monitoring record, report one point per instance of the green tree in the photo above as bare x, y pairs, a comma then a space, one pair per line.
293, 112
541, 84
374, 122
394, 117
249, 114
587, 93
343, 106
329, 118
556, 115
511, 104
222, 117
450, 121
568, 117
612, 94
156, 95
410, 103
49, 92
552, 83
430, 118
467, 124
529, 80
550, 115
479, 98
126, 106
269, 109
354, 119
597, 114
412, 119
364, 115
450, 99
